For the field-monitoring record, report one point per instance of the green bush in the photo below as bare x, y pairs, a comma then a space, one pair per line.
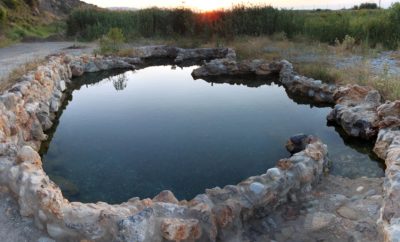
368, 6
394, 18
112, 42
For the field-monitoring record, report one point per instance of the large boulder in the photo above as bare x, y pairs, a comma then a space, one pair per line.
204, 54
230, 67
389, 114
180, 229
356, 112
351, 95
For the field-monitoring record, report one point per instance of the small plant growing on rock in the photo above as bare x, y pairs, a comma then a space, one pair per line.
112, 42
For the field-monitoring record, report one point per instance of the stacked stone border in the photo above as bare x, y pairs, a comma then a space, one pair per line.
29, 108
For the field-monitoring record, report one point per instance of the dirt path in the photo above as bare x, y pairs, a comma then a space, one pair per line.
14, 56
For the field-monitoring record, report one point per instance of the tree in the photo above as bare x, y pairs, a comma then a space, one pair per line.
368, 6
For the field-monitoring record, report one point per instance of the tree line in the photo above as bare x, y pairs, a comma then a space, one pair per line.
370, 26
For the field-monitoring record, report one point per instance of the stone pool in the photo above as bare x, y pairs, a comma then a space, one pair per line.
138, 133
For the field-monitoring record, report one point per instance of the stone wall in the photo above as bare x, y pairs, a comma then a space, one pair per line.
358, 110
29, 107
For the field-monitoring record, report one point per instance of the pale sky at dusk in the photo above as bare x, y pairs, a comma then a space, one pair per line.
213, 4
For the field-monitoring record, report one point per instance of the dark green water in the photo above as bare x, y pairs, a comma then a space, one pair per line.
142, 132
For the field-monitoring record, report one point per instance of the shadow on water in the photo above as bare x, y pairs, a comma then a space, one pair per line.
254, 81
361, 146
89, 79
120, 81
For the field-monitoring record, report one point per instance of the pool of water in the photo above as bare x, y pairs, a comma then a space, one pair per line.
138, 133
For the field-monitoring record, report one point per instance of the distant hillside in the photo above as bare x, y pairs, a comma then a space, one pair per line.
56, 7
34, 19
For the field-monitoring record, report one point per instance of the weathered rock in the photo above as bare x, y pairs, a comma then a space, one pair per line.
181, 55
77, 69
257, 187
357, 117
389, 114
308, 88
230, 67
389, 141
9, 100
157, 51
384, 140
166, 197
139, 227
349, 213
95, 64
180, 229
27, 154
204, 54
318, 221
351, 95
297, 143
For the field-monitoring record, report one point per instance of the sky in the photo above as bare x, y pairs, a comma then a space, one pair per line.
216, 4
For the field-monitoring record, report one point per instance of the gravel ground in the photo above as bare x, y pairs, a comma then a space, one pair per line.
13, 227
338, 209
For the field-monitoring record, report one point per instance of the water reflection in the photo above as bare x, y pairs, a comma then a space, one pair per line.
119, 82
168, 131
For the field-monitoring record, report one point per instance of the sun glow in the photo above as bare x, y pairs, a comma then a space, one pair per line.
206, 5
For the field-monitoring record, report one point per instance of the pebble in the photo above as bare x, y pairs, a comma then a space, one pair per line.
318, 221
348, 213
287, 232
45, 239
256, 187
370, 193
360, 189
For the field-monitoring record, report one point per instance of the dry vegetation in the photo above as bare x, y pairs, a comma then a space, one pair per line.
17, 73
314, 59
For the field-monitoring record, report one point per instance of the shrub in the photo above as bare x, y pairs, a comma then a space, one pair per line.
368, 6
348, 43
319, 72
394, 17
112, 42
